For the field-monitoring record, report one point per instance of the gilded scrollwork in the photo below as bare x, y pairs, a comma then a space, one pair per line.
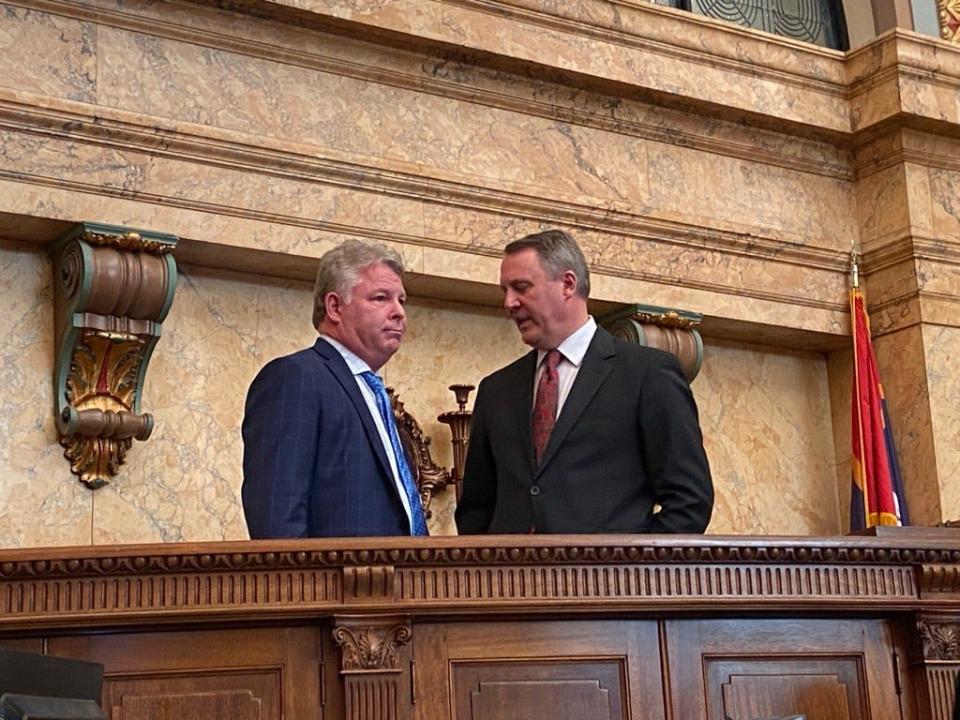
133, 241
113, 289
430, 477
949, 13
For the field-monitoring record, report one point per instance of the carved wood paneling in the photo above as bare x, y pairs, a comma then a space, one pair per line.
371, 647
572, 689
439, 575
555, 669
828, 669
236, 705
771, 687
941, 640
941, 682
374, 666
237, 673
939, 580
616, 583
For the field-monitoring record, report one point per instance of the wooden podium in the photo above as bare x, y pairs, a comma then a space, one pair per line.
512, 628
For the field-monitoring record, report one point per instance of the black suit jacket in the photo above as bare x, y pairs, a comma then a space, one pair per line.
627, 438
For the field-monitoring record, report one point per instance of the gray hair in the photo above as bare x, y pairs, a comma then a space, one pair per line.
340, 268
558, 253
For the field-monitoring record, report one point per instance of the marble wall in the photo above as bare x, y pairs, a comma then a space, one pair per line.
701, 165
765, 413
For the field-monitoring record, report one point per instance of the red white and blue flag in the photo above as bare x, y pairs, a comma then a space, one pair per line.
877, 497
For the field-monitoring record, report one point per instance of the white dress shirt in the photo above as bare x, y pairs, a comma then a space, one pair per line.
572, 351
358, 367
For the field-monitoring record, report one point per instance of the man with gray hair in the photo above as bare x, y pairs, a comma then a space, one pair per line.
586, 433
321, 453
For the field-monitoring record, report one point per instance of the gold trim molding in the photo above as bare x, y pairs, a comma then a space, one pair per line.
113, 288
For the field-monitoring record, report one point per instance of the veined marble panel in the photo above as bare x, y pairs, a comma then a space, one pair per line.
840, 375
181, 182
722, 192
625, 48
945, 201
41, 503
882, 207
365, 119
766, 420
50, 54
942, 345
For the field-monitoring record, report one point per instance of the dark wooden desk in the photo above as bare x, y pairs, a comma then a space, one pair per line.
565, 628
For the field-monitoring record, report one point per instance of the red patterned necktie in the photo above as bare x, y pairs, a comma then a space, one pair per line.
545, 406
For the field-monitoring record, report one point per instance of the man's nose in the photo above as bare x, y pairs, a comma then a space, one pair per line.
510, 300
398, 310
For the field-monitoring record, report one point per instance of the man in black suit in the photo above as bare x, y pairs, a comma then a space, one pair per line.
586, 433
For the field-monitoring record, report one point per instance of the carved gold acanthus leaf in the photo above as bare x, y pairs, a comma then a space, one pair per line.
371, 648
100, 393
103, 373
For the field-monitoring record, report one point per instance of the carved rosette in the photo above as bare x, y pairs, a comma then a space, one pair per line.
673, 331
949, 13
941, 641
373, 647
113, 288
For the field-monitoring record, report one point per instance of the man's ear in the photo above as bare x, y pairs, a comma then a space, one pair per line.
333, 304
569, 279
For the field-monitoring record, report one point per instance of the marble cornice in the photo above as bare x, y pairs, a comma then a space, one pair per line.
899, 145
909, 247
686, 38
236, 151
442, 576
330, 62
835, 79
921, 55
631, 24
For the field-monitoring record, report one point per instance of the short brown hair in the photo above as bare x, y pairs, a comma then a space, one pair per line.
558, 253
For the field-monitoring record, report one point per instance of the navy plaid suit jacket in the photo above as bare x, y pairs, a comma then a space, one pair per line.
313, 463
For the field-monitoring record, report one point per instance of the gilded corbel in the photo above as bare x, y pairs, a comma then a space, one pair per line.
113, 287
674, 331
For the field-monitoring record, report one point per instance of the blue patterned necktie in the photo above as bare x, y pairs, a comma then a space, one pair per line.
419, 524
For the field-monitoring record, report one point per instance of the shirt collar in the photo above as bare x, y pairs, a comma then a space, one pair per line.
574, 347
356, 365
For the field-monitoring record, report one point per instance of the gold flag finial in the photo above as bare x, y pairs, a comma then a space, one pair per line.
854, 269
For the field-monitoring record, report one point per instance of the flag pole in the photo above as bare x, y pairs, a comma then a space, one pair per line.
855, 395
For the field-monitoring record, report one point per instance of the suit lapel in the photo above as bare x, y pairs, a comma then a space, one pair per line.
593, 371
338, 368
523, 409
